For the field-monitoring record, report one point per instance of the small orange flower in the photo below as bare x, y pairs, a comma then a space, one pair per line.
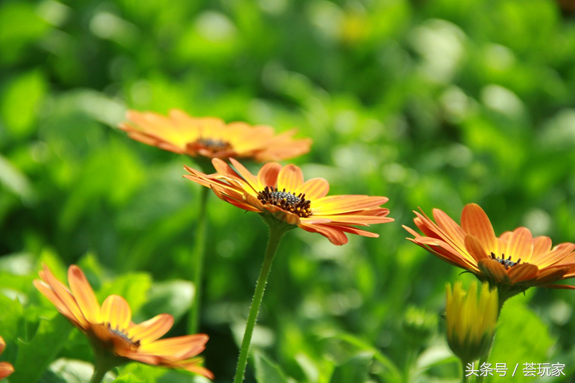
109, 328
6, 369
211, 137
513, 261
282, 192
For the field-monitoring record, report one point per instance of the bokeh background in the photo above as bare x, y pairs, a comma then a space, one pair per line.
433, 104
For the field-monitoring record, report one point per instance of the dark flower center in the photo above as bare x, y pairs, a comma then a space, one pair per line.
286, 200
123, 336
507, 263
214, 145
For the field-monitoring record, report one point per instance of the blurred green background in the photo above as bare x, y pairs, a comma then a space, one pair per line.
431, 103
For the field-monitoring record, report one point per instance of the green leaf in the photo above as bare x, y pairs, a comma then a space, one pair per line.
14, 179
21, 25
36, 355
521, 337
354, 370
173, 297
267, 371
70, 371
129, 378
20, 100
10, 317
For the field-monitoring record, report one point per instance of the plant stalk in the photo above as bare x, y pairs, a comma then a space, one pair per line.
276, 234
197, 263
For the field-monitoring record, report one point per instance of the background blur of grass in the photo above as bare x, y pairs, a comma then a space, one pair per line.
431, 103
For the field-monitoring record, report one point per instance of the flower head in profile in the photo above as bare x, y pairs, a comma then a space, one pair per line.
211, 137
281, 192
471, 320
6, 369
513, 262
111, 330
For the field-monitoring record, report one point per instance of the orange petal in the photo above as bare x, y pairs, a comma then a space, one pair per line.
450, 227
182, 347
523, 272
475, 248
475, 222
192, 365
56, 301
247, 176
520, 245
224, 169
550, 275
290, 178
6, 369
268, 175
337, 237
493, 270
65, 297
151, 329
339, 204
558, 287
84, 294
2, 345
314, 188
541, 245
556, 256
116, 312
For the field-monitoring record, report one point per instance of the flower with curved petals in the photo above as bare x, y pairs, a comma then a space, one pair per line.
111, 331
6, 369
281, 192
513, 262
211, 137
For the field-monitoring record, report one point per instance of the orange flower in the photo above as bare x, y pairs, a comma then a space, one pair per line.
110, 329
282, 192
513, 261
211, 137
6, 369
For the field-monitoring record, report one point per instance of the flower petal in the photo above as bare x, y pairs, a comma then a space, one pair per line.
335, 236
523, 272
6, 369
314, 188
84, 294
116, 312
339, 204
65, 297
475, 248
290, 178
268, 175
493, 270
152, 329
520, 245
475, 222
178, 348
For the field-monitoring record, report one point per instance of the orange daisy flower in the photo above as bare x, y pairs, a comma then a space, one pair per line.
281, 192
6, 369
513, 262
111, 331
211, 137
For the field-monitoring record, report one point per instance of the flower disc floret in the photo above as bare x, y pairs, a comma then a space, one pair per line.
513, 262
280, 192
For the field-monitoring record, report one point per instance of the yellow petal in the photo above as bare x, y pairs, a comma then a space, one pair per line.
116, 312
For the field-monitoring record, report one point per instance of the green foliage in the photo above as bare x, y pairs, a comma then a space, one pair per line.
267, 371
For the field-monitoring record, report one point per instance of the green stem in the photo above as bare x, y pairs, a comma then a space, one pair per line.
276, 234
98, 374
197, 263
481, 361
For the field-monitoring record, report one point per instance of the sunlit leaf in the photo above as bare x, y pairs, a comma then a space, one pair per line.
267, 371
